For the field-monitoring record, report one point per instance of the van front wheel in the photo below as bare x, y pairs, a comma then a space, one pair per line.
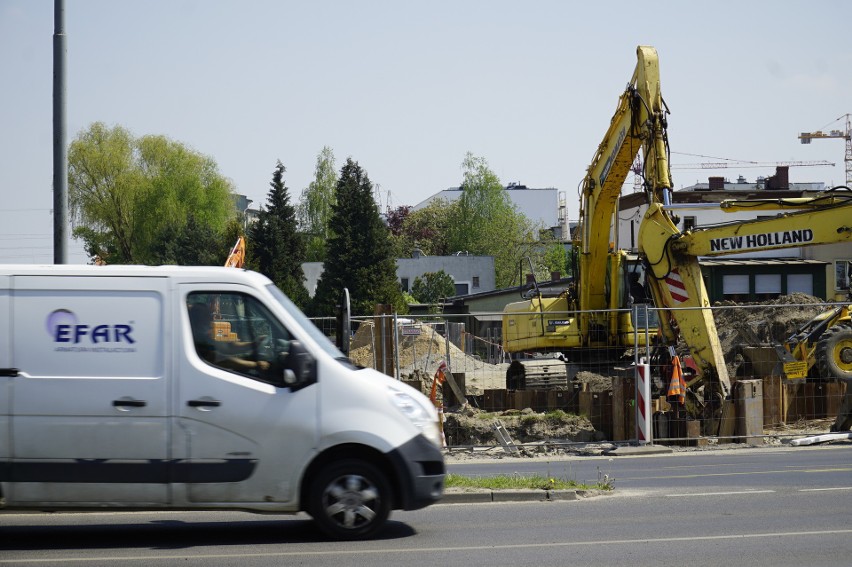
350, 499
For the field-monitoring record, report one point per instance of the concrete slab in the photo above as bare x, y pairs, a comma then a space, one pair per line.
456, 496
640, 450
459, 496
530, 495
561, 495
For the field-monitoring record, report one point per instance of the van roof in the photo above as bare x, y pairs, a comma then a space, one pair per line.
217, 273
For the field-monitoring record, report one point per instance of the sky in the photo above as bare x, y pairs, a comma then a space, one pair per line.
407, 88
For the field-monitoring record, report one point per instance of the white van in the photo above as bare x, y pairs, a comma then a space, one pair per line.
132, 387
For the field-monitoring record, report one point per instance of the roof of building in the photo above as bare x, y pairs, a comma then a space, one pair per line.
762, 262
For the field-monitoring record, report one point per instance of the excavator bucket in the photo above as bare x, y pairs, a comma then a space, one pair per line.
773, 360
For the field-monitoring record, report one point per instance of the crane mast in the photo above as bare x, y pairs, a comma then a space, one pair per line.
846, 135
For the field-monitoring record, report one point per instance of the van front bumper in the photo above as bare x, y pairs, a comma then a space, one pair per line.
420, 470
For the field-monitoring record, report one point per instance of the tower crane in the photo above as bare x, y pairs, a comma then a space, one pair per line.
806, 138
748, 164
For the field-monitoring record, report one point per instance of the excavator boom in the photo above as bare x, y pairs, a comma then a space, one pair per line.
638, 124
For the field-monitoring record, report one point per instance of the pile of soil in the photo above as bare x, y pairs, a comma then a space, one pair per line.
420, 355
767, 323
594, 382
475, 427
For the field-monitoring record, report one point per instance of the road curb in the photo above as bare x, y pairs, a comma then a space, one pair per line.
641, 450
531, 495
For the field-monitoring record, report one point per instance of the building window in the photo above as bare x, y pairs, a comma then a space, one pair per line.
842, 274
404, 284
800, 283
475, 282
767, 286
689, 223
735, 287
462, 289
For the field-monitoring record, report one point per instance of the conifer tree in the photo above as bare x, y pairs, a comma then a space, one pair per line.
275, 249
359, 252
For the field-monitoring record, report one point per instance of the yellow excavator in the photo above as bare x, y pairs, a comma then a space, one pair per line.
820, 349
237, 256
590, 322
590, 317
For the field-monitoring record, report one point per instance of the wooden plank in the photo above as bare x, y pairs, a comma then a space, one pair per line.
773, 414
619, 408
494, 400
559, 400
453, 389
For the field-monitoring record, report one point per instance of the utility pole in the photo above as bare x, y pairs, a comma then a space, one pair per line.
60, 151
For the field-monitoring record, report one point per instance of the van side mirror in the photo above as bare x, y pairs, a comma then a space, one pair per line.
300, 368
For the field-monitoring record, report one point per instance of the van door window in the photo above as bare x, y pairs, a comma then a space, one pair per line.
235, 332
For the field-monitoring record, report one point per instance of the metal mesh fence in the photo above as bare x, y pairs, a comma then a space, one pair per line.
576, 394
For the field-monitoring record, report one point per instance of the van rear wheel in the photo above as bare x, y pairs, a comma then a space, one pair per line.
350, 499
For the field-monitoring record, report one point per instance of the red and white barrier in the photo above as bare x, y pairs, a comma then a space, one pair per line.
643, 402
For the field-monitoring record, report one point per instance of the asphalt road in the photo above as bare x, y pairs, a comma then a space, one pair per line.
699, 509
781, 468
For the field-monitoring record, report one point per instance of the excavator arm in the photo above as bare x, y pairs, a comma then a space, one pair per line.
639, 123
677, 285
237, 257
824, 225
678, 290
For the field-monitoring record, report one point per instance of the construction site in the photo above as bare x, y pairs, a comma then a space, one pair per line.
588, 402
630, 348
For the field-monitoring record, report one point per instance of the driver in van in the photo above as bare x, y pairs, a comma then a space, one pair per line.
218, 353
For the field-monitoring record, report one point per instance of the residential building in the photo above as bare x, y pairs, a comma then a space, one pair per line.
470, 274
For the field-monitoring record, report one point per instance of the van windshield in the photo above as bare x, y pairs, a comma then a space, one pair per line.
307, 324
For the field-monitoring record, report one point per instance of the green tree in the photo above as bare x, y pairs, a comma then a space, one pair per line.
432, 287
130, 195
483, 221
425, 229
194, 244
315, 206
556, 259
275, 248
359, 250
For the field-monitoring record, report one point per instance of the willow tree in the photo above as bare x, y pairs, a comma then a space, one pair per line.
130, 196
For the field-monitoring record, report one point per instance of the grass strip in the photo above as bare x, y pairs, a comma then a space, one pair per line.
515, 481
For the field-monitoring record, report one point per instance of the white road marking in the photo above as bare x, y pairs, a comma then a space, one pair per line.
347, 553
680, 494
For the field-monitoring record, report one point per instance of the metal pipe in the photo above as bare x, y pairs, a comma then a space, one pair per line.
60, 150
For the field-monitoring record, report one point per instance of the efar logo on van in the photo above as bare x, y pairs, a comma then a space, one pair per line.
64, 327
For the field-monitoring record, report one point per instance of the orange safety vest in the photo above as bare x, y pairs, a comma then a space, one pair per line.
439, 378
677, 385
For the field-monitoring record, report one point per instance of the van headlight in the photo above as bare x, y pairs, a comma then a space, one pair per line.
423, 416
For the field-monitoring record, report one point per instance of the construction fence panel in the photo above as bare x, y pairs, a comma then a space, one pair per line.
598, 383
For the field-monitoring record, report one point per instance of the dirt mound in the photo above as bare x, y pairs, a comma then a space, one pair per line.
767, 323
420, 355
594, 382
475, 427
